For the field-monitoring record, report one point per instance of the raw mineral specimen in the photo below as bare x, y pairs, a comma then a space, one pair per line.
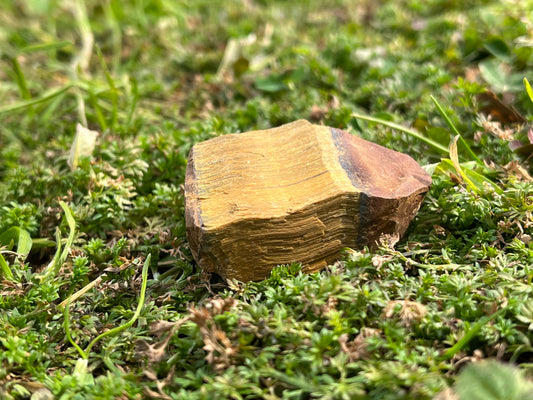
296, 193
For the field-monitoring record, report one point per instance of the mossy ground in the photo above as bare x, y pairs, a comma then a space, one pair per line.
153, 78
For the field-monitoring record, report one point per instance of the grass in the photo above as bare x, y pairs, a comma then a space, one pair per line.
438, 314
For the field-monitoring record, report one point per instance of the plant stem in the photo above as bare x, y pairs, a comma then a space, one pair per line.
66, 326
80, 292
128, 324
454, 130
403, 129
461, 343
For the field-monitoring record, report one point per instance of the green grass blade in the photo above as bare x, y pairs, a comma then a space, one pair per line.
134, 101
116, 34
403, 129
461, 343
45, 46
50, 111
529, 90
446, 166
9, 237
93, 99
72, 230
66, 326
6, 271
21, 79
50, 94
128, 324
54, 264
112, 88
455, 131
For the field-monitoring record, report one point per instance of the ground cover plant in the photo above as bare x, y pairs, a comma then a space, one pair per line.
100, 103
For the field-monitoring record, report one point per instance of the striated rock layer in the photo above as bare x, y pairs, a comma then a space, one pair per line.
296, 193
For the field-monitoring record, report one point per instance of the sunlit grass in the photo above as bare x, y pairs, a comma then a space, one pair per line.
78, 317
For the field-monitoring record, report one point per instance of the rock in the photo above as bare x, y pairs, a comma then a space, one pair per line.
296, 193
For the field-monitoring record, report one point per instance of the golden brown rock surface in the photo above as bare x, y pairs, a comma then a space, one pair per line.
296, 193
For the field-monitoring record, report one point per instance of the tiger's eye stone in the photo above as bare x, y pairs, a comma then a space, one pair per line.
295, 193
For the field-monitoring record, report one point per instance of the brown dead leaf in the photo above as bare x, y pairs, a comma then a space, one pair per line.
389, 240
439, 230
505, 113
330, 305
159, 328
497, 129
410, 311
125, 264
153, 352
318, 113
460, 359
160, 394
447, 394
157, 351
378, 260
219, 305
152, 394
357, 348
514, 168
220, 350
11, 289
525, 238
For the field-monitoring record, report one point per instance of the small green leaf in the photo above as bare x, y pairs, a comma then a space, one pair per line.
24, 243
270, 84
19, 236
240, 66
6, 271
496, 75
45, 46
491, 380
42, 242
529, 90
440, 135
498, 48
492, 73
297, 75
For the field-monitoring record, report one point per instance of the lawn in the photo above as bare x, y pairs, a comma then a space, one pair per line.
100, 103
